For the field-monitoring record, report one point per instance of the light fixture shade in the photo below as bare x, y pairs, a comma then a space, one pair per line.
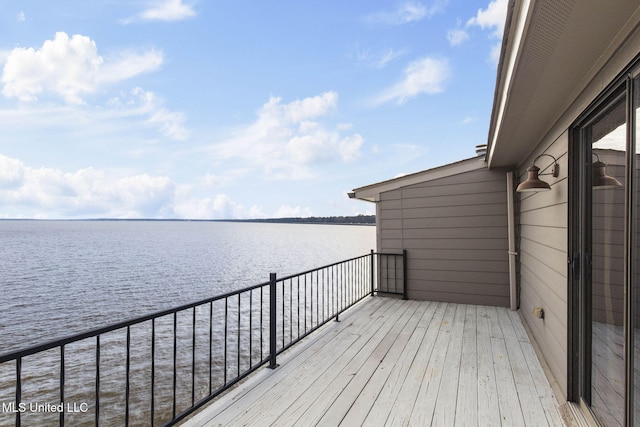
600, 178
533, 183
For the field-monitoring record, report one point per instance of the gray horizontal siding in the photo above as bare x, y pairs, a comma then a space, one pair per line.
542, 254
455, 231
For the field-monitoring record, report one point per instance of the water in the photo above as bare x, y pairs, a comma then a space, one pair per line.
62, 277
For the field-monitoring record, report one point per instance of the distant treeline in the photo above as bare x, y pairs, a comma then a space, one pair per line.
353, 220
358, 219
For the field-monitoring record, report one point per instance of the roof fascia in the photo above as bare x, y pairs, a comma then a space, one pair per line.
372, 192
514, 40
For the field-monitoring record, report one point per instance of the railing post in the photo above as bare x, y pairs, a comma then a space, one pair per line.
272, 321
404, 274
372, 277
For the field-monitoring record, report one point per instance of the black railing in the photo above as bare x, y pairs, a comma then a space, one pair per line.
157, 369
391, 274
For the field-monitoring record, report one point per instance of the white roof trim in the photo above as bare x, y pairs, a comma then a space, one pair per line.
372, 192
517, 35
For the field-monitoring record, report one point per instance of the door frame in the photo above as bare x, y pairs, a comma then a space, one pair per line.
579, 237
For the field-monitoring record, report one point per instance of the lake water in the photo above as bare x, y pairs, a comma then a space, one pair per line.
62, 277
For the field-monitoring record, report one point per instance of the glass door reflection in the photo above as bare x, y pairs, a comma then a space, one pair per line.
608, 136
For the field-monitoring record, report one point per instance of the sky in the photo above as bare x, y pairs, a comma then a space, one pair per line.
194, 109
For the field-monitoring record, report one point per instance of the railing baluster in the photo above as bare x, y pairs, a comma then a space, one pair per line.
226, 333
153, 372
311, 306
18, 389
395, 274
272, 321
283, 315
193, 359
371, 272
336, 286
62, 383
127, 381
251, 329
323, 294
405, 291
261, 323
298, 310
97, 408
238, 349
175, 357
210, 347
344, 296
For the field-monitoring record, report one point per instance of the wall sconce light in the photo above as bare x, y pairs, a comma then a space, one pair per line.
600, 178
533, 182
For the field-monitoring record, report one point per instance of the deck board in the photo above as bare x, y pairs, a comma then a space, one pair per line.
488, 406
392, 362
405, 401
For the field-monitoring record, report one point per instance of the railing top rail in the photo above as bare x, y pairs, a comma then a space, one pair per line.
120, 325
291, 276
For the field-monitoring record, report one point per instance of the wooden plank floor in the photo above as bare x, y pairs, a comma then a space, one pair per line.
392, 362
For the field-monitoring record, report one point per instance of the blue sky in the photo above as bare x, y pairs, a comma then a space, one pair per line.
234, 109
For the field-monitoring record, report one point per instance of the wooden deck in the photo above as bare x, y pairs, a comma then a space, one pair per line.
392, 362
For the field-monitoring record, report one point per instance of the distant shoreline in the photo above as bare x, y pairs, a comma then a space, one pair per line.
335, 220
330, 220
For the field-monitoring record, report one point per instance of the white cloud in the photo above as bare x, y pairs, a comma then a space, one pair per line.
378, 59
164, 10
20, 17
130, 64
292, 212
126, 119
492, 18
146, 104
425, 76
219, 207
407, 12
27, 192
349, 147
69, 67
457, 36
171, 123
287, 140
46, 192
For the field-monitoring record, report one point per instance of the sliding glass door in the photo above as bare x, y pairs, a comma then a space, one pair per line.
605, 258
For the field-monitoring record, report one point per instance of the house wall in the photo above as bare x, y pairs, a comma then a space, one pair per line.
542, 253
455, 232
543, 217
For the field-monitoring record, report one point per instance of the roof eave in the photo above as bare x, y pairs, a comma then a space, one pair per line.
371, 193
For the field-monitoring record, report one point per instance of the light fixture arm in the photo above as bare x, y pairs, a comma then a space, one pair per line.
555, 170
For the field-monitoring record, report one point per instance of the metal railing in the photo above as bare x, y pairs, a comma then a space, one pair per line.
159, 368
391, 274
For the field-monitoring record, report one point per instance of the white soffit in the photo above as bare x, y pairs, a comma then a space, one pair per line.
552, 49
